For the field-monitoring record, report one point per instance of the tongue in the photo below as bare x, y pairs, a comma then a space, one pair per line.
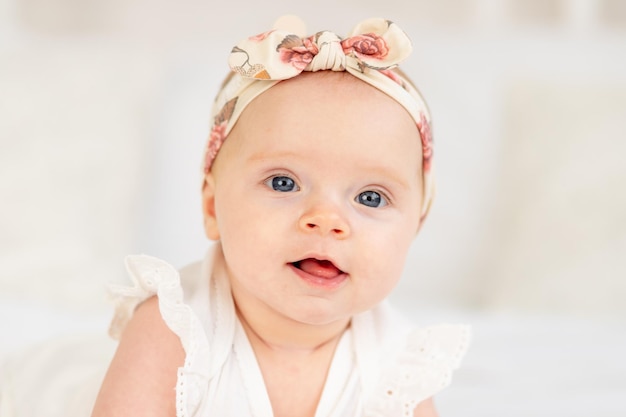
321, 269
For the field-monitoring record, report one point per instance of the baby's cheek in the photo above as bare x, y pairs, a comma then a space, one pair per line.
383, 264
396, 252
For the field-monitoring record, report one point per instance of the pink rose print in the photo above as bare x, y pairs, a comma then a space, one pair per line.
297, 52
261, 36
216, 138
369, 45
218, 132
427, 142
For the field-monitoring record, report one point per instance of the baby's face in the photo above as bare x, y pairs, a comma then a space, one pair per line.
316, 196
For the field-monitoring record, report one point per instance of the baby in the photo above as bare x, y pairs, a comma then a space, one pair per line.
317, 178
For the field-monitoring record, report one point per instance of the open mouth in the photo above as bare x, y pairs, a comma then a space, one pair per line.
323, 269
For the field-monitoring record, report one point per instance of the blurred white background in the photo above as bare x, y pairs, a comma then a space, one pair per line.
104, 114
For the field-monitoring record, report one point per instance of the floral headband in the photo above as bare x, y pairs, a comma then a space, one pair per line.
370, 52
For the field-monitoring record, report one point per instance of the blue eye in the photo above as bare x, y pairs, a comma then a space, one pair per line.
282, 183
371, 199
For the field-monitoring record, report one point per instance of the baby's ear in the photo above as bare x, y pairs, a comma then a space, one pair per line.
208, 208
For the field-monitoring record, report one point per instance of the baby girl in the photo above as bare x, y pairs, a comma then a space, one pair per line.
317, 178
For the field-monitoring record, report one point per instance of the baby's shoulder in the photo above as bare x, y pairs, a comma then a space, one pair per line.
148, 339
160, 320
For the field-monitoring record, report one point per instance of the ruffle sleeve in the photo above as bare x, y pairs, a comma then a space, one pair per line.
419, 370
152, 276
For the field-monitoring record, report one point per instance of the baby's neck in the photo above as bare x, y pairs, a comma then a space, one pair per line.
294, 369
294, 357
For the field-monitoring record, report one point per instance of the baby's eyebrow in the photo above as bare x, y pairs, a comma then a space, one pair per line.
389, 174
260, 156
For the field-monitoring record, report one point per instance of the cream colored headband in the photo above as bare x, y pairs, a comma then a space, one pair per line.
370, 52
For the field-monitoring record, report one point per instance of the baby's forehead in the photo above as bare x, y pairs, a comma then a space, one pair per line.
298, 116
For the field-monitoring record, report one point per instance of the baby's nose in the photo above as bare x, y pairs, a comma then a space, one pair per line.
325, 220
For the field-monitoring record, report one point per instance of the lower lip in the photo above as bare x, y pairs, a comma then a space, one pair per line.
315, 281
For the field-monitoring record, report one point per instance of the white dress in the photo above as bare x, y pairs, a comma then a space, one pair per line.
381, 367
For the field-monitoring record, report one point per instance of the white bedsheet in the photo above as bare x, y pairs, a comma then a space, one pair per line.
522, 365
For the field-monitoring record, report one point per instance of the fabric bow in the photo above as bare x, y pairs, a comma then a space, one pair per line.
279, 54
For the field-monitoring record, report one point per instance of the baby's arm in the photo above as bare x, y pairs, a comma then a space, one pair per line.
141, 379
425, 409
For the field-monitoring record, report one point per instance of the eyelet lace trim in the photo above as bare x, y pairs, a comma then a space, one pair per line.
420, 370
152, 276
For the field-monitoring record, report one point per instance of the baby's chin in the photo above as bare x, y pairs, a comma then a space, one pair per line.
320, 314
